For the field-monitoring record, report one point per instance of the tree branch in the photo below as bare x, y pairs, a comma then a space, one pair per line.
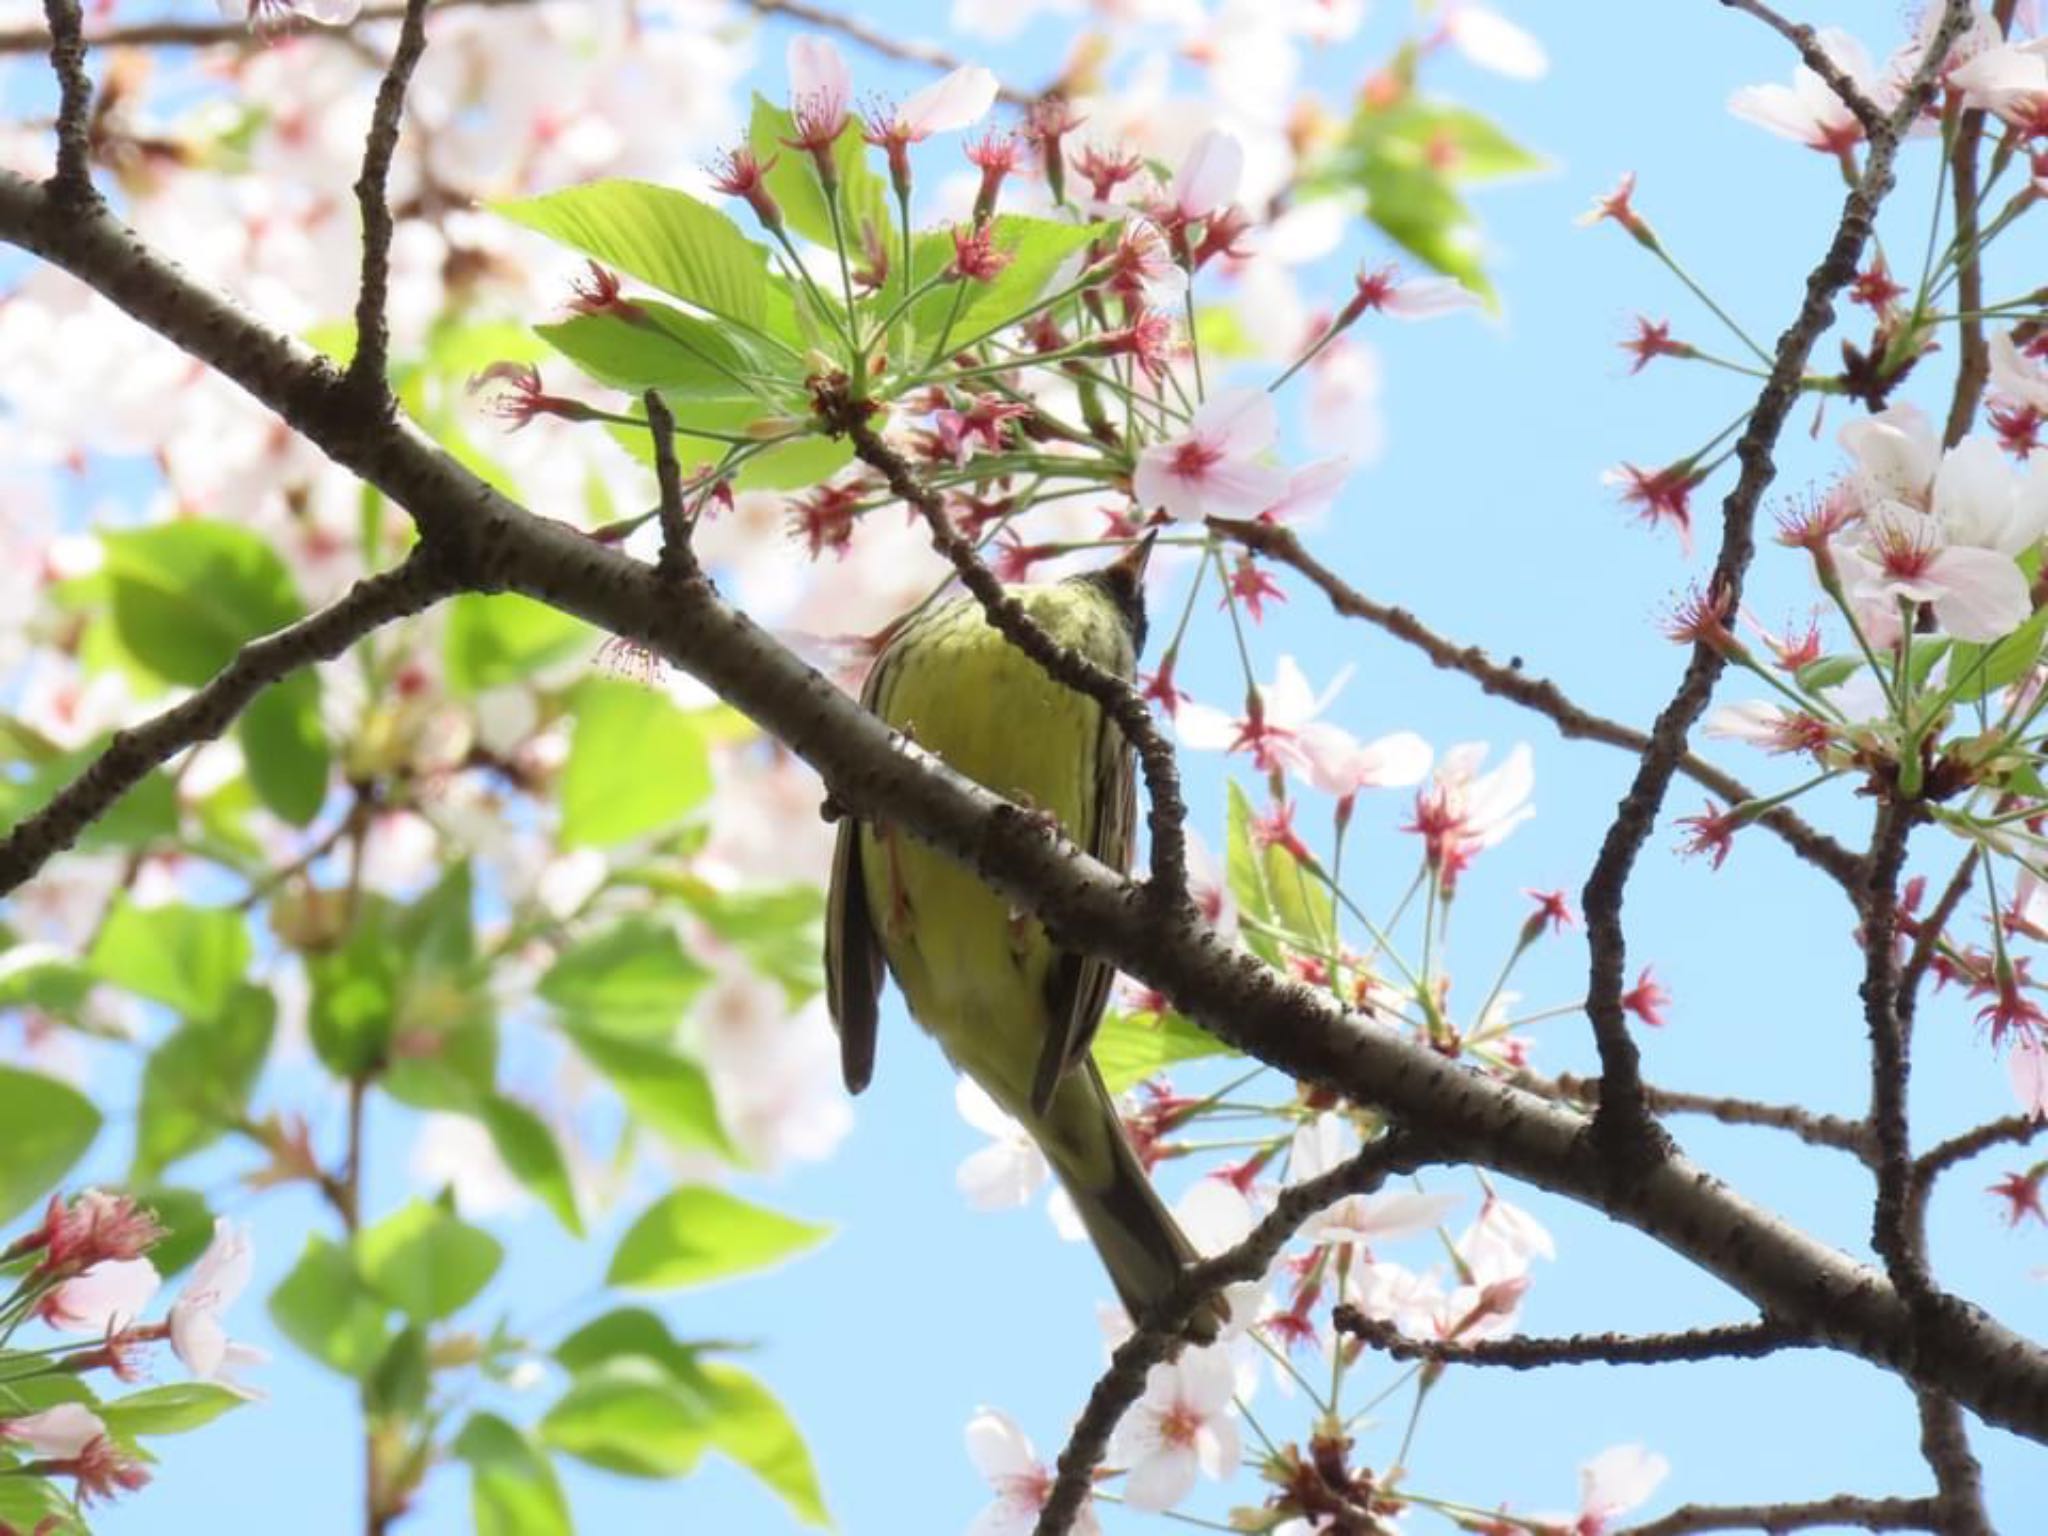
1279, 543
72, 183
1842, 1509
1893, 1233
367, 369
1809, 1125
1736, 1341
1166, 812
1160, 1336
676, 556
1941, 1157
1623, 1121
132, 753
492, 544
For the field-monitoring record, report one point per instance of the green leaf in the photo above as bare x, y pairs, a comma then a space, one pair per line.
513, 1489
49, 1126
661, 236
1245, 874
187, 1224
37, 1504
324, 1307
625, 1332
637, 763
632, 977
42, 977
755, 1430
1983, 670
697, 1234
427, 1261
188, 595
355, 996
792, 180
630, 1416
666, 1091
399, 1383
1458, 142
190, 959
1130, 1047
533, 1156
285, 747
197, 1082
655, 346
492, 641
1828, 672
168, 1410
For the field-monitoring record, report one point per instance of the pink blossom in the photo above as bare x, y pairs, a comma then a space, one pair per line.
1004, 1456
958, 101
62, 1432
1808, 111
1615, 1482
1208, 178
105, 1299
1212, 470
1010, 1169
2026, 1067
198, 1337
1179, 1429
2010, 81
1489, 40
820, 92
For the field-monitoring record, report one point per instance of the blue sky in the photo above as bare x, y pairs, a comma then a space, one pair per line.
1486, 516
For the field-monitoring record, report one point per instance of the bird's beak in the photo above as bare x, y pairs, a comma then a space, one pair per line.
1131, 564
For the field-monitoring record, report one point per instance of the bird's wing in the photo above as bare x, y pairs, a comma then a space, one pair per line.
1078, 987
853, 951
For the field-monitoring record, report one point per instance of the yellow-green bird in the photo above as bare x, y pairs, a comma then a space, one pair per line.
1011, 1009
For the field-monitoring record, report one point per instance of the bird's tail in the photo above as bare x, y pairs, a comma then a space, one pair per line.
1141, 1245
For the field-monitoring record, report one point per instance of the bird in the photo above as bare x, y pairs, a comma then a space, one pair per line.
1008, 1006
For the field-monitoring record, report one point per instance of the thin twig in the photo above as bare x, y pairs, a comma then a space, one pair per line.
1167, 810
676, 556
170, 33
1736, 1341
1815, 57
366, 370
1160, 1336
1810, 1125
1938, 1159
1508, 681
1891, 1068
72, 183
1842, 1509
1623, 1123
132, 753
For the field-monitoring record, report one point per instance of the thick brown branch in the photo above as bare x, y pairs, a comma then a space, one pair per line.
1737, 1341
496, 545
72, 182
1815, 57
1166, 811
1510, 682
1843, 1509
1623, 1122
1160, 1337
366, 370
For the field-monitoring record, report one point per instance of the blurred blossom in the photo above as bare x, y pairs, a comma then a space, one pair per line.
1007, 1172
456, 1152
198, 1335
1490, 40
105, 1299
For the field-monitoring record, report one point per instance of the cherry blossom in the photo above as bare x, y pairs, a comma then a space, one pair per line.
1007, 1172
2026, 1067
1005, 1457
820, 94
198, 1337
1463, 812
1213, 469
1487, 38
272, 13
62, 1432
456, 1153
105, 1299
1208, 176
1272, 728
1808, 111
2010, 81
1615, 1482
1181, 1428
